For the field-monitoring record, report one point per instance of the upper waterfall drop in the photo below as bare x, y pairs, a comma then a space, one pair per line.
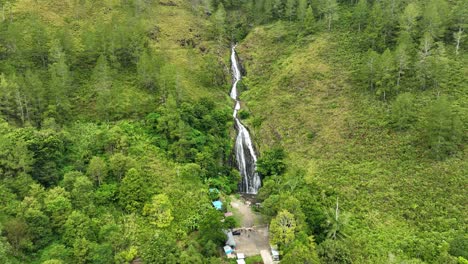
244, 149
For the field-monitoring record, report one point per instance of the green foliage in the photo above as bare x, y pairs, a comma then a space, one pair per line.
78, 78
57, 252
211, 234
77, 226
231, 222
160, 248
243, 114
283, 228
126, 256
82, 193
84, 177
14, 156
459, 246
442, 129
159, 211
97, 170
133, 191
301, 252
119, 164
271, 162
58, 205
334, 251
371, 114
403, 112
16, 233
219, 22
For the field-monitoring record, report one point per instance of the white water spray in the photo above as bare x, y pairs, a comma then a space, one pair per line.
244, 150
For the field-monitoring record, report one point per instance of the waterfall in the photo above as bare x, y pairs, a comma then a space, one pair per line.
244, 150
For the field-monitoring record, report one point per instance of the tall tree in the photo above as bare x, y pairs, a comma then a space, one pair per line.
219, 22
403, 111
309, 20
403, 55
301, 252
101, 80
97, 170
160, 248
82, 193
360, 14
375, 27
133, 191
283, 228
268, 9
370, 68
15, 157
330, 11
423, 62
16, 231
337, 222
291, 9
442, 129
279, 7
385, 75
409, 18
432, 63
58, 206
147, 68
302, 6
460, 21
435, 17
59, 85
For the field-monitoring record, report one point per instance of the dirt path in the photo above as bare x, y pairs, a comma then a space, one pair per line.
246, 214
250, 242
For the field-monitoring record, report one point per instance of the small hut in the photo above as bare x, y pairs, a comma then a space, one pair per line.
228, 250
230, 239
218, 205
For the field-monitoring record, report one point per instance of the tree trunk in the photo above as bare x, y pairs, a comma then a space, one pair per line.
20, 106
337, 215
458, 39
400, 71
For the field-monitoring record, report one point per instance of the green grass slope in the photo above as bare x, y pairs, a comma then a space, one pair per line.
302, 96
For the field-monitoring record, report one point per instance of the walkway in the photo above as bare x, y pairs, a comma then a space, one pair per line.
254, 233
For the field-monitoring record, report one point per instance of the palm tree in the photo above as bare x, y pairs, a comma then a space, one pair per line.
336, 222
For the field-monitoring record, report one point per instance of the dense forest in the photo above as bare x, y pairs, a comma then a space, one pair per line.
115, 120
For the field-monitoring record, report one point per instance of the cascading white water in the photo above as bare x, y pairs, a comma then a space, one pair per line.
244, 150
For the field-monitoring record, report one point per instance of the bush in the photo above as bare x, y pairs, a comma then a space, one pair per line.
231, 222
244, 114
271, 162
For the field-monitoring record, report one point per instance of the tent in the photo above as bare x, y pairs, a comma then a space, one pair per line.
227, 250
230, 239
218, 205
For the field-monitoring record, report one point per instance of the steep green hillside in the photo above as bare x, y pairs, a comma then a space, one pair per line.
114, 123
392, 156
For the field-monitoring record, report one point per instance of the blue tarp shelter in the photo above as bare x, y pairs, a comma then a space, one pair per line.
218, 205
227, 250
